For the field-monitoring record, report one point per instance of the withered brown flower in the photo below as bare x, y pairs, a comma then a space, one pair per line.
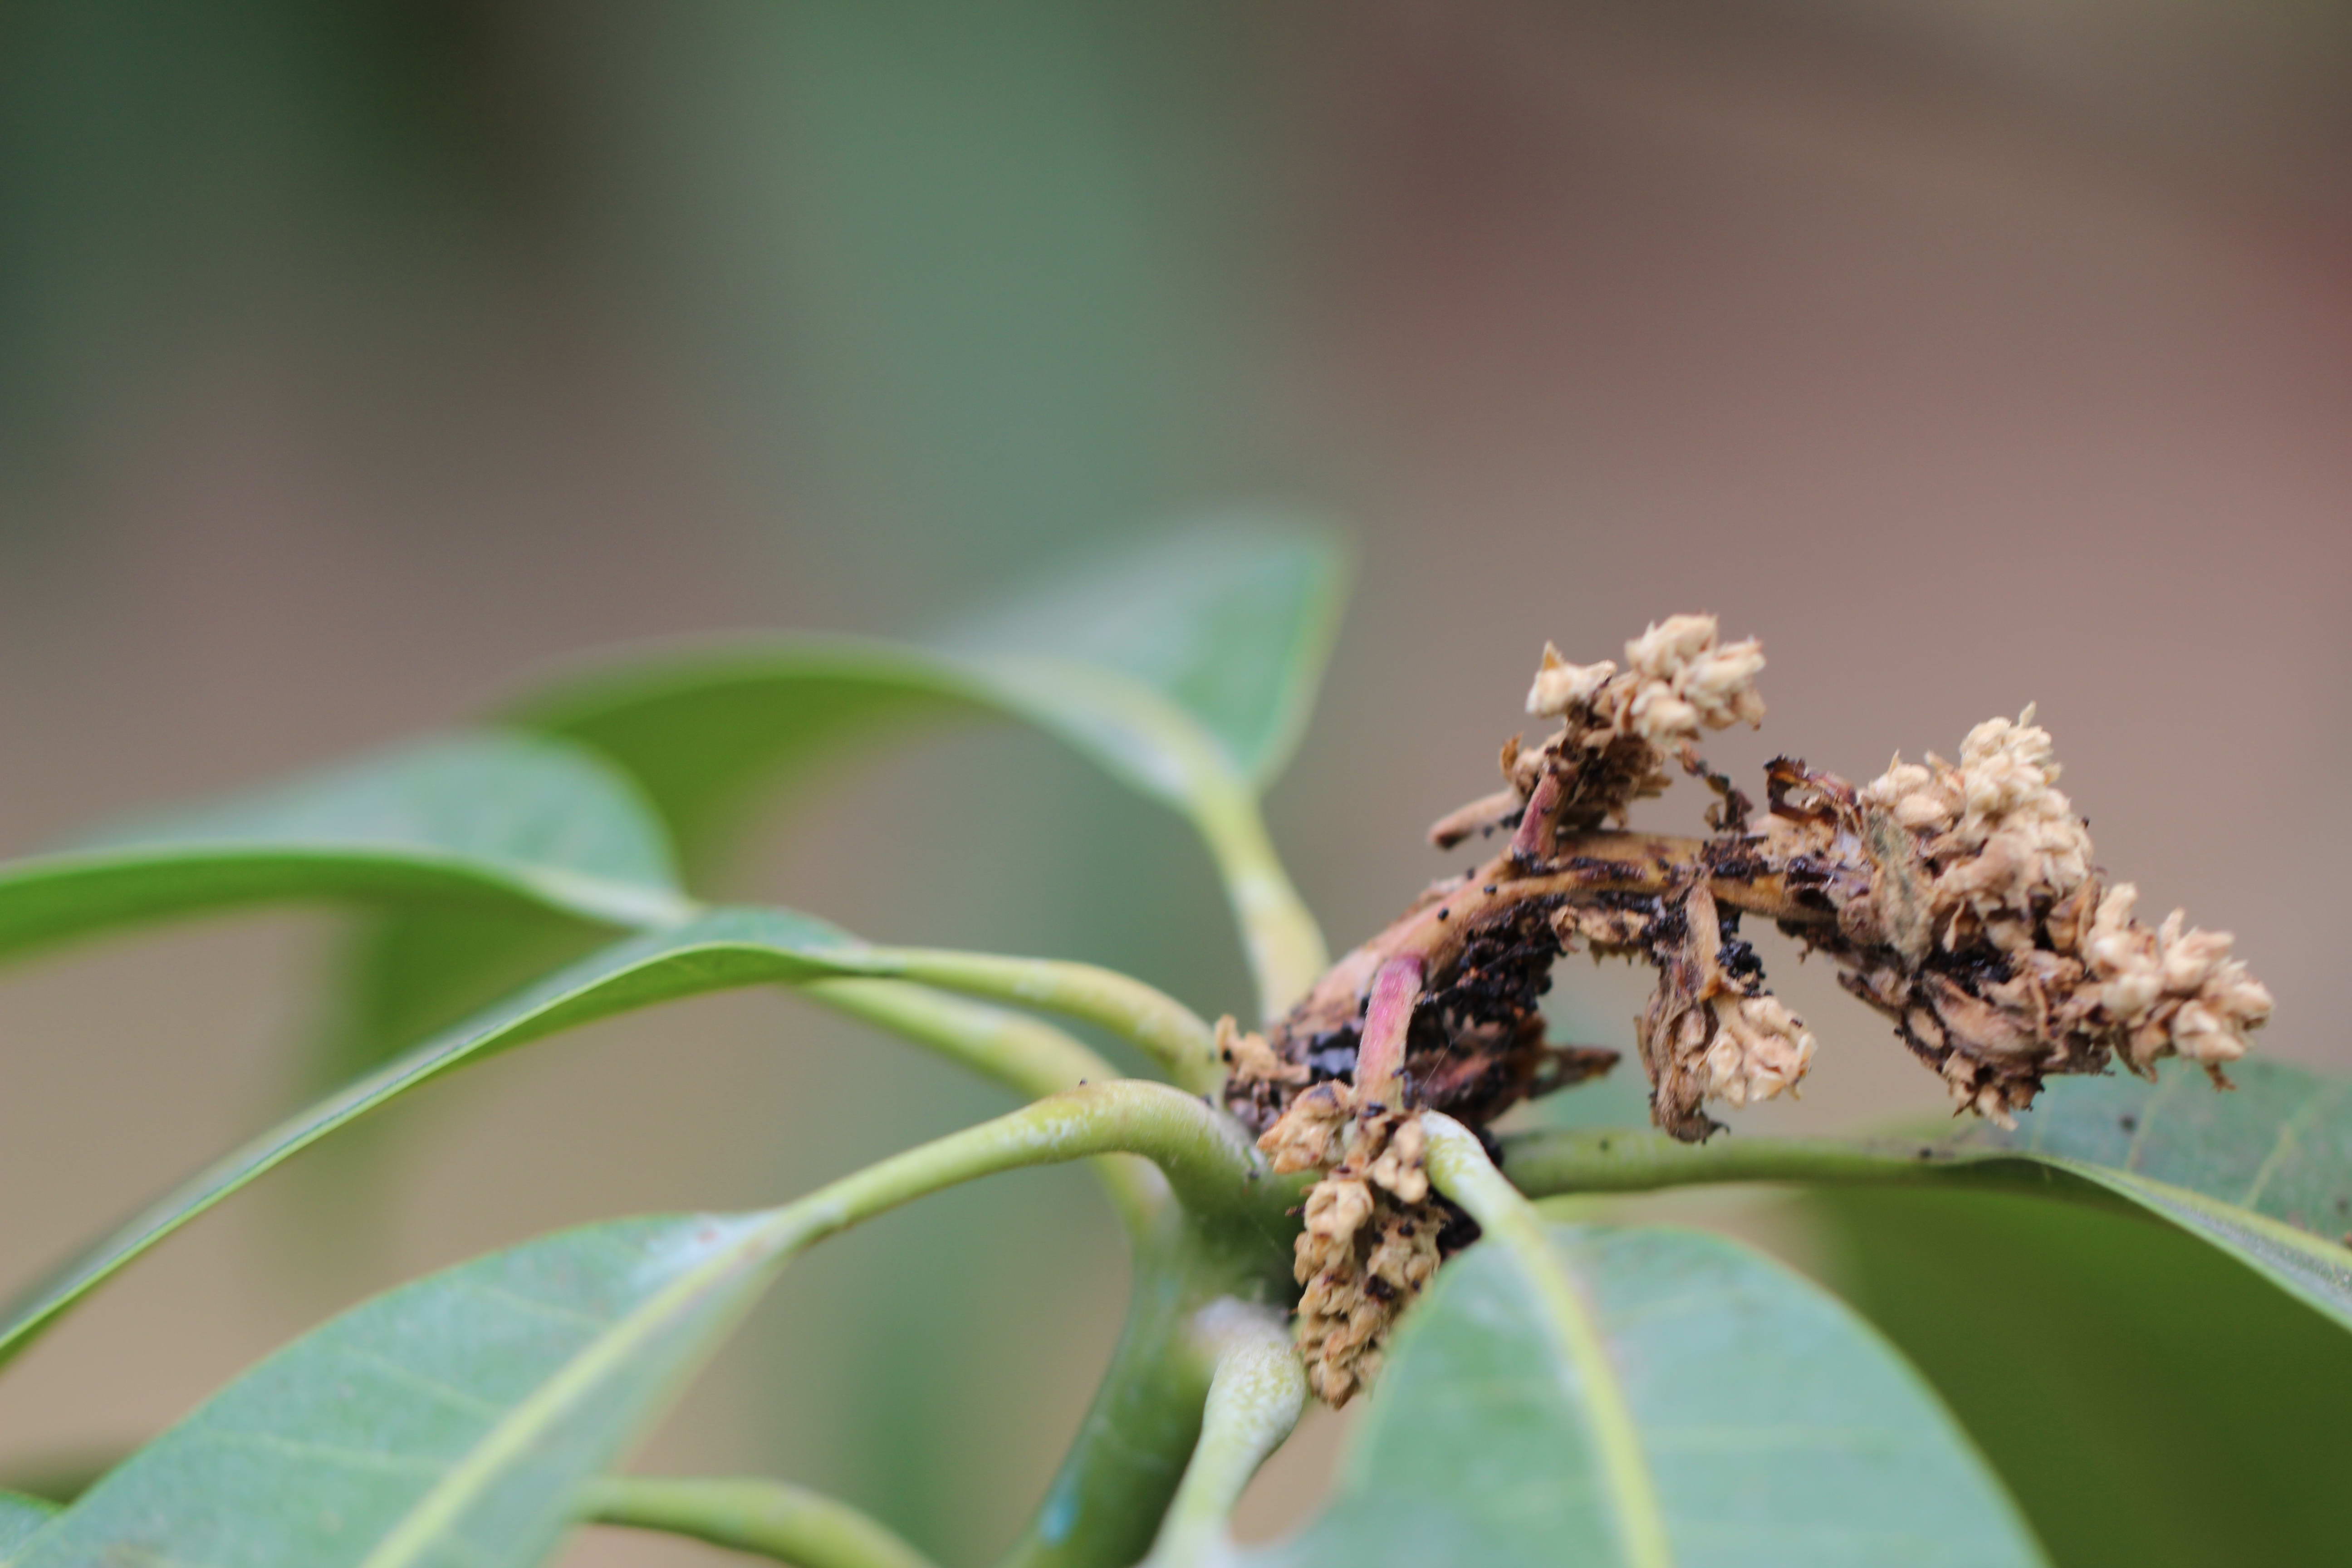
1962, 901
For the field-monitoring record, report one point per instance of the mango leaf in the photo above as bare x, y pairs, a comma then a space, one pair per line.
2264, 1173
20, 1516
723, 950
1772, 1425
405, 973
1186, 668
450, 1423
2145, 1398
1232, 622
504, 822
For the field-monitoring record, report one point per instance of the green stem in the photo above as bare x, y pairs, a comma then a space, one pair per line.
1459, 1168
1637, 1159
1286, 951
1256, 1396
1207, 1160
1164, 1028
768, 1518
1192, 772
1026, 1055
1128, 1457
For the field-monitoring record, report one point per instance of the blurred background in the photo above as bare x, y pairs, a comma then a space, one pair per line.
358, 361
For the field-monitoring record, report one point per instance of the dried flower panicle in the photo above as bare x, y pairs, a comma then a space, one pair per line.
1677, 679
1619, 729
1372, 1228
1990, 937
1961, 900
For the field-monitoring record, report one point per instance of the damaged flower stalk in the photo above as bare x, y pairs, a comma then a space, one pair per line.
1960, 899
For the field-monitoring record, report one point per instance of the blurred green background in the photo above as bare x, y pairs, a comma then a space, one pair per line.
355, 360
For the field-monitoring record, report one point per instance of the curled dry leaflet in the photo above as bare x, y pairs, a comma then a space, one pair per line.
1960, 899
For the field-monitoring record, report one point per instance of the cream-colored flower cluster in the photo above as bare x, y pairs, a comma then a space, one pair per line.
2172, 989
1370, 1237
1679, 680
1991, 865
1759, 1048
1619, 729
2001, 840
1960, 899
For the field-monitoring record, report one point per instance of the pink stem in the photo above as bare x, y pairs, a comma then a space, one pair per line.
1533, 844
1380, 1058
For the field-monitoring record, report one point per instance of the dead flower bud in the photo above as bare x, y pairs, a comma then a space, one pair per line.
2171, 988
1336, 1210
1402, 1166
1619, 729
1249, 1059
1962, 901
1760, 1049
1560, 686
1309, 1135
1711, 1031
1688, 682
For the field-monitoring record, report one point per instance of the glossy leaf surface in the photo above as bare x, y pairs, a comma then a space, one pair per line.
1775, 1426
488, 821
450, 1423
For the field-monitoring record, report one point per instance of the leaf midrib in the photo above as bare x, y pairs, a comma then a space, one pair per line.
1633, 1491
427, 1524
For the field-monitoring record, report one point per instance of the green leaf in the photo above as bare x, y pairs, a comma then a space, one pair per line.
2263, 1172
1185, 668
485, 821
723, 950
1206, 650
404, 974
2076, 1341
450, 1423
1185, 671
2147, 1399
703, 729
20, 1516
1774, 1426
2280, 1145
1232, 622
455, 1422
